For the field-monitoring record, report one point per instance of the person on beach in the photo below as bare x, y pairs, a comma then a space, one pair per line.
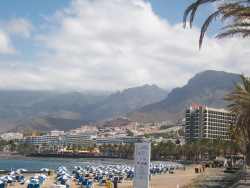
115, 182
203, 168
109, 184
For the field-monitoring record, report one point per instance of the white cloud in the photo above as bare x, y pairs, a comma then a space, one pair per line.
115, 44
5, 44
19, 26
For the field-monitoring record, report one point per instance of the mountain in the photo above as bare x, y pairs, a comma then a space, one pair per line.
121, 103
21, 104
208, 87
43, 110
47, 110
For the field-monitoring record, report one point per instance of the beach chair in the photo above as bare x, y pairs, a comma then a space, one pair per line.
102, 182
81, 179
120, 180
89, 184
2, 185
84, 182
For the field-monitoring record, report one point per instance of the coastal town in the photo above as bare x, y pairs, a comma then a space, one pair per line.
200, 123
124, 94
119, 131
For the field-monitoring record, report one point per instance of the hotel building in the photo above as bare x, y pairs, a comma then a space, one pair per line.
41, 140
203, 122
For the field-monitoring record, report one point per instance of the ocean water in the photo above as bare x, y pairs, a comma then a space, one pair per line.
53, 163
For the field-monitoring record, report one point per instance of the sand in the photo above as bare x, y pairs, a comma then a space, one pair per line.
178, 179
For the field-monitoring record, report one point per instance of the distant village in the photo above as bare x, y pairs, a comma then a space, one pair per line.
117, 131
200, 122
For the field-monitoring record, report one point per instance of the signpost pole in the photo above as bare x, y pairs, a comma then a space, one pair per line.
142, 165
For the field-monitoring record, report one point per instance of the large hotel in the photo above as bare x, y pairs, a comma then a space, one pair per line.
203, 122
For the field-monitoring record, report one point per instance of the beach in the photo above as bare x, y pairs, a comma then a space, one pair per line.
179, 179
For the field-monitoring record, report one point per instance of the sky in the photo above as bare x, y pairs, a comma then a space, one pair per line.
79, 45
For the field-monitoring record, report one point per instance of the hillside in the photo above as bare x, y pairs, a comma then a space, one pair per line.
207, 88
120, 103
46, 110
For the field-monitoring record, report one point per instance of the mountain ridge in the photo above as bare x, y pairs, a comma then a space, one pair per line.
48, 110
208, 87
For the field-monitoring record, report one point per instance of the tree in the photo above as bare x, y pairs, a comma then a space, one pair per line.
234, 13
240, 106
26, 149
3, 144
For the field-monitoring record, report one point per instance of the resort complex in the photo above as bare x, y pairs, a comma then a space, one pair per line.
203, 122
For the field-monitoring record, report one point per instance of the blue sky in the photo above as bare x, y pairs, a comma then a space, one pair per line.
37, 10
107, 45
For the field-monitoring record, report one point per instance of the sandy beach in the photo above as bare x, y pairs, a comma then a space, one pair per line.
179, 178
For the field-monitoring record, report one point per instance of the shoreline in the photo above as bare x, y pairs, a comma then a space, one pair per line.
12, 156
16, 156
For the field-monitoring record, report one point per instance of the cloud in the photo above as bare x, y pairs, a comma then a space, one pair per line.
115, 44
18, 26
5, 44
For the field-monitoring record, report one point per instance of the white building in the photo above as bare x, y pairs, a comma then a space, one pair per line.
12, 136
209, 123
66, 139
56, 133
42, 140
80, 139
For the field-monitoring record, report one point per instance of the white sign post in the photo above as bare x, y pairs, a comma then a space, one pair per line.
142, 165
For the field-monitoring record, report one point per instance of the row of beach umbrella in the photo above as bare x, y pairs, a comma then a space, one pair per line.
16, 176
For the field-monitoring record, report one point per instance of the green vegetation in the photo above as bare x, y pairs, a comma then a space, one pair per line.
168, 135
121, 150
235, 16
12, 146
25, 149
240, 106
3, 144
195, 151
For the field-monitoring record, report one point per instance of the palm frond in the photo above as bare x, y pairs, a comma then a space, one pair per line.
244, 32
240, 106
236, 12
192, 9
206, 25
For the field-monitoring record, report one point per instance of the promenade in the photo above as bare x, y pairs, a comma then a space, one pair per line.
244, 180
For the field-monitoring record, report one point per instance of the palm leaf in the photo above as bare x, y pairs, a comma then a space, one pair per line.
237, 12
192, 9
206, 25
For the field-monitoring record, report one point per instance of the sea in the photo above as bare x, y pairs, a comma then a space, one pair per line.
54, 163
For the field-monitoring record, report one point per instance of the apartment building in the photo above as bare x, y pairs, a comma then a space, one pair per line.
42, 140
203, 122
119, 140
67, 139
80, 139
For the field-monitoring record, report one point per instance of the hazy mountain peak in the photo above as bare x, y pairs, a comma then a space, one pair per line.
208, 87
